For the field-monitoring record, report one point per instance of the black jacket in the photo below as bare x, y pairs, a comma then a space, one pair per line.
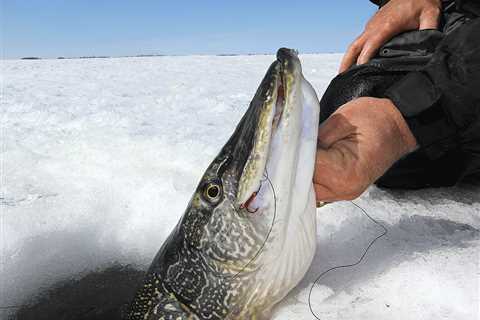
460, 5
433, 77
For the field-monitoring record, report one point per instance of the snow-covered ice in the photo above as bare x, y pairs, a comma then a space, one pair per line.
99, 159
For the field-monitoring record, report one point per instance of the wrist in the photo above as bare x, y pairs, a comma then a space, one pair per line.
408, 140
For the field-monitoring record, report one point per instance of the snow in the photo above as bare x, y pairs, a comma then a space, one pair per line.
100, 157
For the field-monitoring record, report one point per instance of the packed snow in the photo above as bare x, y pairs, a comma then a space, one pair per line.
99, 158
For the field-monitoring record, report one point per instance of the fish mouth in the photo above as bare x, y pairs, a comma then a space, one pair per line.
277, 108
275, 200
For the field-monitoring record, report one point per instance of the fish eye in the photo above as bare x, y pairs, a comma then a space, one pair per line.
212, 192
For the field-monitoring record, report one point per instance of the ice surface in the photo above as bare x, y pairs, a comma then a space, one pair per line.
100, 157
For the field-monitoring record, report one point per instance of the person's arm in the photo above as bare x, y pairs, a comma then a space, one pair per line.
443, 99
436, 109
356, 145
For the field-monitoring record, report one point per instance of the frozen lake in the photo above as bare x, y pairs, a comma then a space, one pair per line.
99, 158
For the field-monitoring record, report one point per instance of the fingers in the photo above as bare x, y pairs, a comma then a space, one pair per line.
324, 176
335, 178
392, 19
323, 194
336, 185
371, 47
352, 54
364, 48
429, 19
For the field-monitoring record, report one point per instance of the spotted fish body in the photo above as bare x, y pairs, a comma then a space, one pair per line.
247, 236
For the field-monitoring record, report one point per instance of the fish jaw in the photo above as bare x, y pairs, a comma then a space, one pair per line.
282, 209
292, 242
239, 250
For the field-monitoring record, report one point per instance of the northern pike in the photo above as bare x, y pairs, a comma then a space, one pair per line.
248, 234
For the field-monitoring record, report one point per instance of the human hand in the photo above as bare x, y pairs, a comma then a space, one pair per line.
356, 145
393, 18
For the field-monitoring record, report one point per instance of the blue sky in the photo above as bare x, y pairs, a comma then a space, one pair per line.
52, 28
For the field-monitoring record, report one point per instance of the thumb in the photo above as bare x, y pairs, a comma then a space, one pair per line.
329, 173
335, 128
429, 19
323, 192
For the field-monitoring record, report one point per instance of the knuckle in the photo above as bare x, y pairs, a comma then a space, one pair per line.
355, 183
432, 11
348, 185
372, 46
379, 39
356, 45
389, 25
354, 195
349, 191
355, 191
375, 19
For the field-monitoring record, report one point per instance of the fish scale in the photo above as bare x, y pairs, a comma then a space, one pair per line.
237, 251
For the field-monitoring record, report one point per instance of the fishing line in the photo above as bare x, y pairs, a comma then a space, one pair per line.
384, 232
269, 231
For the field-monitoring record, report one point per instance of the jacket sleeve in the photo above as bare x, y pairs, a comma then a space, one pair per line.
471, 6
442, 101
379, 2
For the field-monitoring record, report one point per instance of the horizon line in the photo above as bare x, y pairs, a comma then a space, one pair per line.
34, 57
